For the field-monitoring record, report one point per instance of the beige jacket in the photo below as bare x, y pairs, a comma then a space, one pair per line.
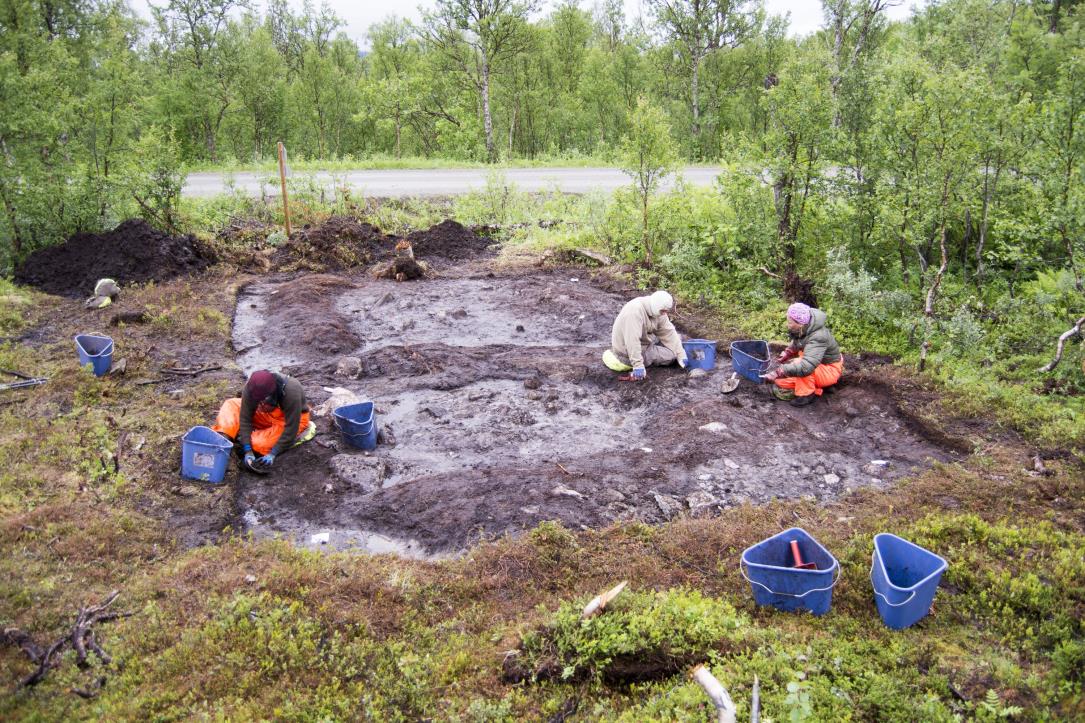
634, 328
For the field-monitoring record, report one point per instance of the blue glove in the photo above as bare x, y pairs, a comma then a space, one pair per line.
250, 458
268, 459
683, 363
638, 373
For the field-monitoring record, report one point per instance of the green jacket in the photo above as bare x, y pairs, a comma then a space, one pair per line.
290, 398
817, 346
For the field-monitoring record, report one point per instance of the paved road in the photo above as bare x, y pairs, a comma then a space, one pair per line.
443, 182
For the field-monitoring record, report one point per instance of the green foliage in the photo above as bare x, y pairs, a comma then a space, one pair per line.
648, 154
675, 624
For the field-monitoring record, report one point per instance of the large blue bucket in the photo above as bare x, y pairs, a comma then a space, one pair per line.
204, 454
905, 578
774, 581
701, 354
96, 351
750, 358
358, 424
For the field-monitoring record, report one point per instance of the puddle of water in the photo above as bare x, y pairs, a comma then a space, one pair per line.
316, 537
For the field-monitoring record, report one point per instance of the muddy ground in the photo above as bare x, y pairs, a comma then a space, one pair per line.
502, 415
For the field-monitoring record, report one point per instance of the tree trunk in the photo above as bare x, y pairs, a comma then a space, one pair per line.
644, 228
487, 118
1056, 10
695, 106
399, 129
932, 292
16, 234
989, 189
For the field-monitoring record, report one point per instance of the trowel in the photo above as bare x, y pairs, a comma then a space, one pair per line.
255, 468
730, 384
797, 558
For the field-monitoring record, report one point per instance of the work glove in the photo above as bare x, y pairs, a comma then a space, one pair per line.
787, 355
250, 459
268, 459
772, 376
683, 363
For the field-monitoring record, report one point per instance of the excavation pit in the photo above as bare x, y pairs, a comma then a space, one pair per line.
503, 416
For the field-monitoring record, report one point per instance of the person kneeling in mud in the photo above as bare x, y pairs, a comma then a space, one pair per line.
643, 336
812, 361
269, 417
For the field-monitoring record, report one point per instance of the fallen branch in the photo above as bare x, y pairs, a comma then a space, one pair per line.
190, 372
81, 638
725, 707
1066, 335
600, 602
14, 373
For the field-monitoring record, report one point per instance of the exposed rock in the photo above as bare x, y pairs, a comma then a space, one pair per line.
350, 367
668, 505
611, 495
714, 427
340, 397
385, 436
701, 503
831, 479
563, 491
698, 373
367, 473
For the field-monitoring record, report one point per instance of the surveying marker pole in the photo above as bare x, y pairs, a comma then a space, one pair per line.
282, 179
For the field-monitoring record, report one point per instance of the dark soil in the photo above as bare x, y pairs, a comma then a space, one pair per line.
133, 252
504, 416
341, 242
449, 241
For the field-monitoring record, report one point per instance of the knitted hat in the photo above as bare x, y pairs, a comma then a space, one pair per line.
261, 385
799, 313
659, 301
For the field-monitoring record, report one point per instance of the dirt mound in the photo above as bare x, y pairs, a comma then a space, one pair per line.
133, 252
341, 242
448, 240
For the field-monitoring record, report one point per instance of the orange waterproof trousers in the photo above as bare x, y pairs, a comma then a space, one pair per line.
824, 375
267, 427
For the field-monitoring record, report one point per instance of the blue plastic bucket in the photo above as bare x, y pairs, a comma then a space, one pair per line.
750, 358
96, 351
701, 354
358, 425
905, 577
767, 566
204, 454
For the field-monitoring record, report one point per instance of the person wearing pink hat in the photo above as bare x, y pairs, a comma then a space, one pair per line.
269, 417
811, 363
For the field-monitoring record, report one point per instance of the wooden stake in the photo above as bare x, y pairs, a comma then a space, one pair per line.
282, 179
600, 602
725, 707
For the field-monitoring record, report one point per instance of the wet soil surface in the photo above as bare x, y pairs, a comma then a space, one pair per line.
133, 252
502, 415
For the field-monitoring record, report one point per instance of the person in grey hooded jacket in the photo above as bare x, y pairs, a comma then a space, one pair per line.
643, 336
811, 363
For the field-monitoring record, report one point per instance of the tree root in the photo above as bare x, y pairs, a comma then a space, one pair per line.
81, 639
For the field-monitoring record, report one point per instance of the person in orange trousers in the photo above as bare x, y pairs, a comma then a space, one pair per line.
269, 417
811, 363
